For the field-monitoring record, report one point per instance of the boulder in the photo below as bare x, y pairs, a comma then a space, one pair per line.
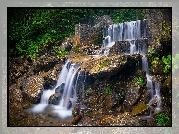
32, 88
60, 88
55, 99
131, 98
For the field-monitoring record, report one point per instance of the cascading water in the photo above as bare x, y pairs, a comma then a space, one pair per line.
124, 31
68, 76
132, 47
153, 89
70, 73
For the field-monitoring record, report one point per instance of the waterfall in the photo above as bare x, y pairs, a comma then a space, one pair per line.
68, 95
154, 89
124, 31
68, 75
132, 47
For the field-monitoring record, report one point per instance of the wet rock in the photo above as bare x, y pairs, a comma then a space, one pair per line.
60, 88
55, 98
69, 105
118, 47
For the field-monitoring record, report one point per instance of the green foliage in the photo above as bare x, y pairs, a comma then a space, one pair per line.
104, 63
59, 52
151, 52
73, 114
175, 63
162, 119
154, 62
139, 80
166, 27
124, 15
108, 90
31, 29
167, 64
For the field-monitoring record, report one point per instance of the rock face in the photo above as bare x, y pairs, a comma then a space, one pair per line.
90, 38
32, 88
155, 18
67, 44
131, 97
118, 47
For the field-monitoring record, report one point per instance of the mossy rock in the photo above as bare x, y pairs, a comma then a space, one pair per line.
139, 109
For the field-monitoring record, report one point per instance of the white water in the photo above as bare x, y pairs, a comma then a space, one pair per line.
154, 90
132, 47
67, 76
123, 31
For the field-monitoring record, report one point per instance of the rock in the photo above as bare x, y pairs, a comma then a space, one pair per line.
67, 44
75, 120
118, 47
140, 109
166, 86
119, 120
15, 94
157, 69
32, 88
60, 88
131, 97
55, 99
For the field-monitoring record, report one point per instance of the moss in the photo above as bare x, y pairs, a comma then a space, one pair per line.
140, 107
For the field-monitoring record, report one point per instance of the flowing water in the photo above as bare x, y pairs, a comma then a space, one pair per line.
69, 75
153, 86
74, 83
130, 31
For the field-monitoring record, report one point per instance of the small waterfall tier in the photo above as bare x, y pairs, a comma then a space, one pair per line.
127, 31
69, 80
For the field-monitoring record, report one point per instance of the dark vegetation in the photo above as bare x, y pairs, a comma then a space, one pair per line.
31, 30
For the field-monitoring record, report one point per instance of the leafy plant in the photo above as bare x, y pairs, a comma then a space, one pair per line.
151, 52
59, 52
140, 81
155, 61
162, 119
108, 90
122, 60
167, 63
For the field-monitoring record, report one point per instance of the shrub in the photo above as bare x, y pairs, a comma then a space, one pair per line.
162, 119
